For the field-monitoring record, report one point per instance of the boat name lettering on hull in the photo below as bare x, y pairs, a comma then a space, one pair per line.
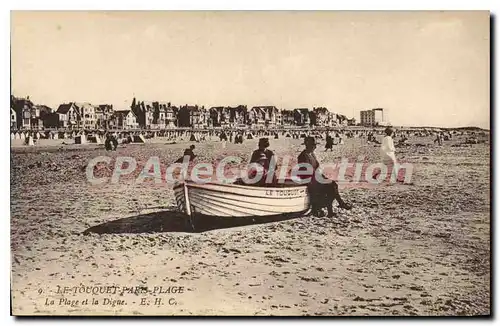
285, 193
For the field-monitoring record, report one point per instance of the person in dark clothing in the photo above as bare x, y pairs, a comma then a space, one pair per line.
111, 143
187, 152
114, 141
261, 156
107, 143
262, 160
329, 143
320, 194
240, 138
263, 145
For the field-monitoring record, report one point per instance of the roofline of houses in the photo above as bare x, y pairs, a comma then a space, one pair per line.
157, 114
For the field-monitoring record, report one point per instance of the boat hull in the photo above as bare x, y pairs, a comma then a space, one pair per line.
229, 200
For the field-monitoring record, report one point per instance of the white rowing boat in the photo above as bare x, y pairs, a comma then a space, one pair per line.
231, 200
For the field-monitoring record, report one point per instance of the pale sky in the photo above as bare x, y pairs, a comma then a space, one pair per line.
424, 68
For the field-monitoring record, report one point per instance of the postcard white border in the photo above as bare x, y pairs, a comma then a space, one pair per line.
177, 5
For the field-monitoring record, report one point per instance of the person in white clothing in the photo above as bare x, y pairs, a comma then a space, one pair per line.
387, 150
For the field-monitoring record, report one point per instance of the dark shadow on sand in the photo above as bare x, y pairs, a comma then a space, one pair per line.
173, 221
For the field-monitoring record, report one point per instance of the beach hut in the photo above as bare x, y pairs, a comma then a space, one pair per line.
193, 137
23, 136
94, 139
12, 135
80, 139
138, 139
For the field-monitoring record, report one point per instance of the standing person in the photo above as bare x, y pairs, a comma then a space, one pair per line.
107, 144
111, 142
329, 143
438, 139
114, 141
320, 194
387, 152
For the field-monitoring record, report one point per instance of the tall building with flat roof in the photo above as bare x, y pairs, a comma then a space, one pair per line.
372, 117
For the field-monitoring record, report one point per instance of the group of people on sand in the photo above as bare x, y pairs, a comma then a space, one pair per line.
321, 194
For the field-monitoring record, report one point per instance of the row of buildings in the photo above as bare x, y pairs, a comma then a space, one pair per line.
159, 115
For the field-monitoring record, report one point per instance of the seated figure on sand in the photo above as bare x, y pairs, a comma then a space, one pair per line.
321, 194
187, 152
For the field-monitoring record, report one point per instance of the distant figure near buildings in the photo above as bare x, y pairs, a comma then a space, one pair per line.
110, 143
329, 143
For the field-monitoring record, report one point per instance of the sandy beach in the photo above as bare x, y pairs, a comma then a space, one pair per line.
405, 249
